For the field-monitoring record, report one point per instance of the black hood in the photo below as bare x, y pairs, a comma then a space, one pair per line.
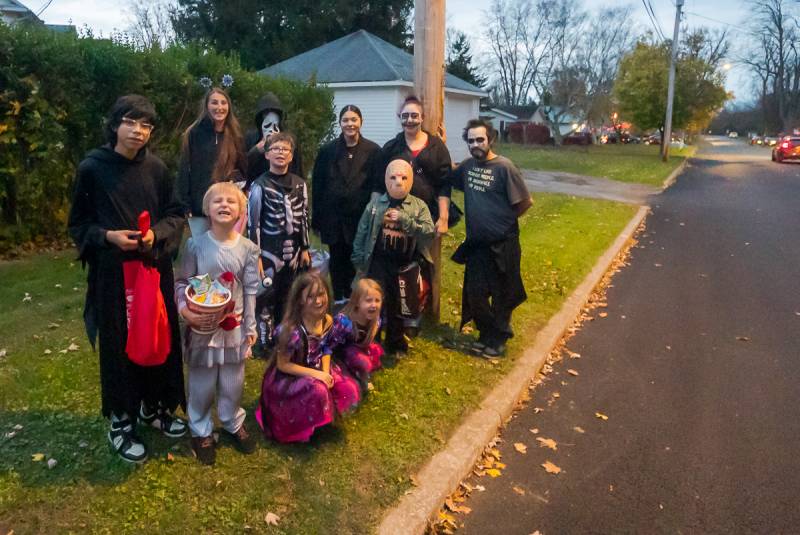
109, 155
269, 102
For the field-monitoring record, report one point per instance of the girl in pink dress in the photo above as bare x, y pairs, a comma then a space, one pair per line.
354, 330
302, 389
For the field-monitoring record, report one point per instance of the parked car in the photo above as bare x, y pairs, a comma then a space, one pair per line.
756, 140
771, 141
733, 133
653, 139
578, 138
787, 149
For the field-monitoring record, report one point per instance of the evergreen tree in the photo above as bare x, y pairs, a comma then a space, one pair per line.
264, 32
459, 59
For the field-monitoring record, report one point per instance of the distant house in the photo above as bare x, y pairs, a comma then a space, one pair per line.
504, 116
376, 76
13, 12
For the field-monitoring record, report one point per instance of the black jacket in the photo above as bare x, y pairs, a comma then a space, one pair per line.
341, 187
431, 168
197, 165
256, 162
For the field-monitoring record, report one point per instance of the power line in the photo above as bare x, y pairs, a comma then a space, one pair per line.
720, 22
44, 7
648, 9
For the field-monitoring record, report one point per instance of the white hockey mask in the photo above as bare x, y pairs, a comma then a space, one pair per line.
270, 124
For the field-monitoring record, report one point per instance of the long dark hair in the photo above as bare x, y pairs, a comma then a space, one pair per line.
309, 281
231, 152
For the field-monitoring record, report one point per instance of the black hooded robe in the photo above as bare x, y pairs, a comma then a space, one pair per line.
110, 193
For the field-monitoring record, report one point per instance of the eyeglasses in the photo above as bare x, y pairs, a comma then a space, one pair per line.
280, 150
476, 140
413, 115
133, 123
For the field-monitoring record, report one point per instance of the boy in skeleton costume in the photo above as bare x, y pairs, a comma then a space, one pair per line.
278, 224
395, 229
269, 120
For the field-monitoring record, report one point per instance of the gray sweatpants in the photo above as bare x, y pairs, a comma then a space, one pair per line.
226, 380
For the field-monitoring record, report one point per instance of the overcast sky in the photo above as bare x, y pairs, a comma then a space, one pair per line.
103, 16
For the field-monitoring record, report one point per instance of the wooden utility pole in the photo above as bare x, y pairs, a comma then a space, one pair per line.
429, 69
667, 138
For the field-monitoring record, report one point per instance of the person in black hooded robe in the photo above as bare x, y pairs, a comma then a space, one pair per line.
114, 184
269, 120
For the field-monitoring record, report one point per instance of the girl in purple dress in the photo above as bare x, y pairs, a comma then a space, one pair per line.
303, 389
355, 328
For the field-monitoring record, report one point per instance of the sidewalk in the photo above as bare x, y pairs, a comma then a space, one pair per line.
442, 474
588, 186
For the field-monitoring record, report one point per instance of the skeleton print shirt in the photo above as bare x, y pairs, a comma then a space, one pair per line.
278, 219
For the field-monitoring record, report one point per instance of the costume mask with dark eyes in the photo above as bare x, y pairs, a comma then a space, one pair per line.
271, 124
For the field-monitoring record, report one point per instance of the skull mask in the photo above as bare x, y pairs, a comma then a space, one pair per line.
270, 124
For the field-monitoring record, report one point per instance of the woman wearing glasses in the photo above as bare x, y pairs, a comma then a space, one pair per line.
212, 151
340, 192
429, 158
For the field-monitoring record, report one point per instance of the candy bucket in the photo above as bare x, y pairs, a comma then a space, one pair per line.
210, 315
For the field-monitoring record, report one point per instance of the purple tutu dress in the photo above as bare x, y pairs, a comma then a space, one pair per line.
291, 407
357, 357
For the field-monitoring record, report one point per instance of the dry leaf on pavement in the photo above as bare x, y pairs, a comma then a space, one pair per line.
601, 415
547, 443
271, 519
519, 490
535, 430
572, 372
743, 338
494, 472
579, 429
550, 468
520, 447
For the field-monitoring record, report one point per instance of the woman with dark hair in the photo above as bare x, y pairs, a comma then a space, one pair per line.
114, 185
340, 191
212, 151
429, 158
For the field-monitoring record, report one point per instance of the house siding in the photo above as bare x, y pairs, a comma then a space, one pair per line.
378, 105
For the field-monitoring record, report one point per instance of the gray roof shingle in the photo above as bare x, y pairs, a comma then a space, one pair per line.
357, 57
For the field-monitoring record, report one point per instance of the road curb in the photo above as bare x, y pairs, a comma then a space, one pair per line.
442, 474
673, 176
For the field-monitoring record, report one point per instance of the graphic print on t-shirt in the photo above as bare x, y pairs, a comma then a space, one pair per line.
480, 178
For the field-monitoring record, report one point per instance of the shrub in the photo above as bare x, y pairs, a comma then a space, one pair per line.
57, 87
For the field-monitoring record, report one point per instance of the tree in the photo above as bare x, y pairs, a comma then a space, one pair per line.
641, 88
264, 32
459, 59
151, 25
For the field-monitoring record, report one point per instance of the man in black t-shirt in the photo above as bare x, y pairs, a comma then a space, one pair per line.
495, 196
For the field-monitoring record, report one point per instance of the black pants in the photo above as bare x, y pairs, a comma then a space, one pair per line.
493, 289
341, 268
384, 270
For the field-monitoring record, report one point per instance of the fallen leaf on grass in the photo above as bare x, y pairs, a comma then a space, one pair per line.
547, 443
414, 481
73, 347
3, 352
520, 447
519, 490
53, 325
170, 457
51, 463
47, 352
550, 468
572, 372
27, 298
404, 416
63, 351
271, 519
601, 416
58, 286
578, 429
494, 472
37, 457
447, 391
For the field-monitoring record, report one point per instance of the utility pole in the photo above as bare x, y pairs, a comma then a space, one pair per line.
429, 84
665, 140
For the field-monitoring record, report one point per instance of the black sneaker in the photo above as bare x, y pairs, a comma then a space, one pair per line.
204, 449
242, 440
124, 440
162, 419
494, 351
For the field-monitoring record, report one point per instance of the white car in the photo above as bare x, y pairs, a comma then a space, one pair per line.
733, 134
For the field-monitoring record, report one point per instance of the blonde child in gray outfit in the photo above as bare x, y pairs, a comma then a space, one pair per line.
216, 360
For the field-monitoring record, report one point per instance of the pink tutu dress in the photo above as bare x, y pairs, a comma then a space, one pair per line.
357, 357
291, 407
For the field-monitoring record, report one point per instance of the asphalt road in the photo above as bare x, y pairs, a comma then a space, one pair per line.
696, 366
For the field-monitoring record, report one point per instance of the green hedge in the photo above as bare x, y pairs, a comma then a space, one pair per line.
56, 88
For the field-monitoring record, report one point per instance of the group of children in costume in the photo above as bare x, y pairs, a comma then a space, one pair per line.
320, 365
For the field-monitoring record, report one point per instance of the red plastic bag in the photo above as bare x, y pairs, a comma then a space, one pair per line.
149, 337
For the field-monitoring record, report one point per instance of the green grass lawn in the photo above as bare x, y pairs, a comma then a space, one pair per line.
626, 163
339, 483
